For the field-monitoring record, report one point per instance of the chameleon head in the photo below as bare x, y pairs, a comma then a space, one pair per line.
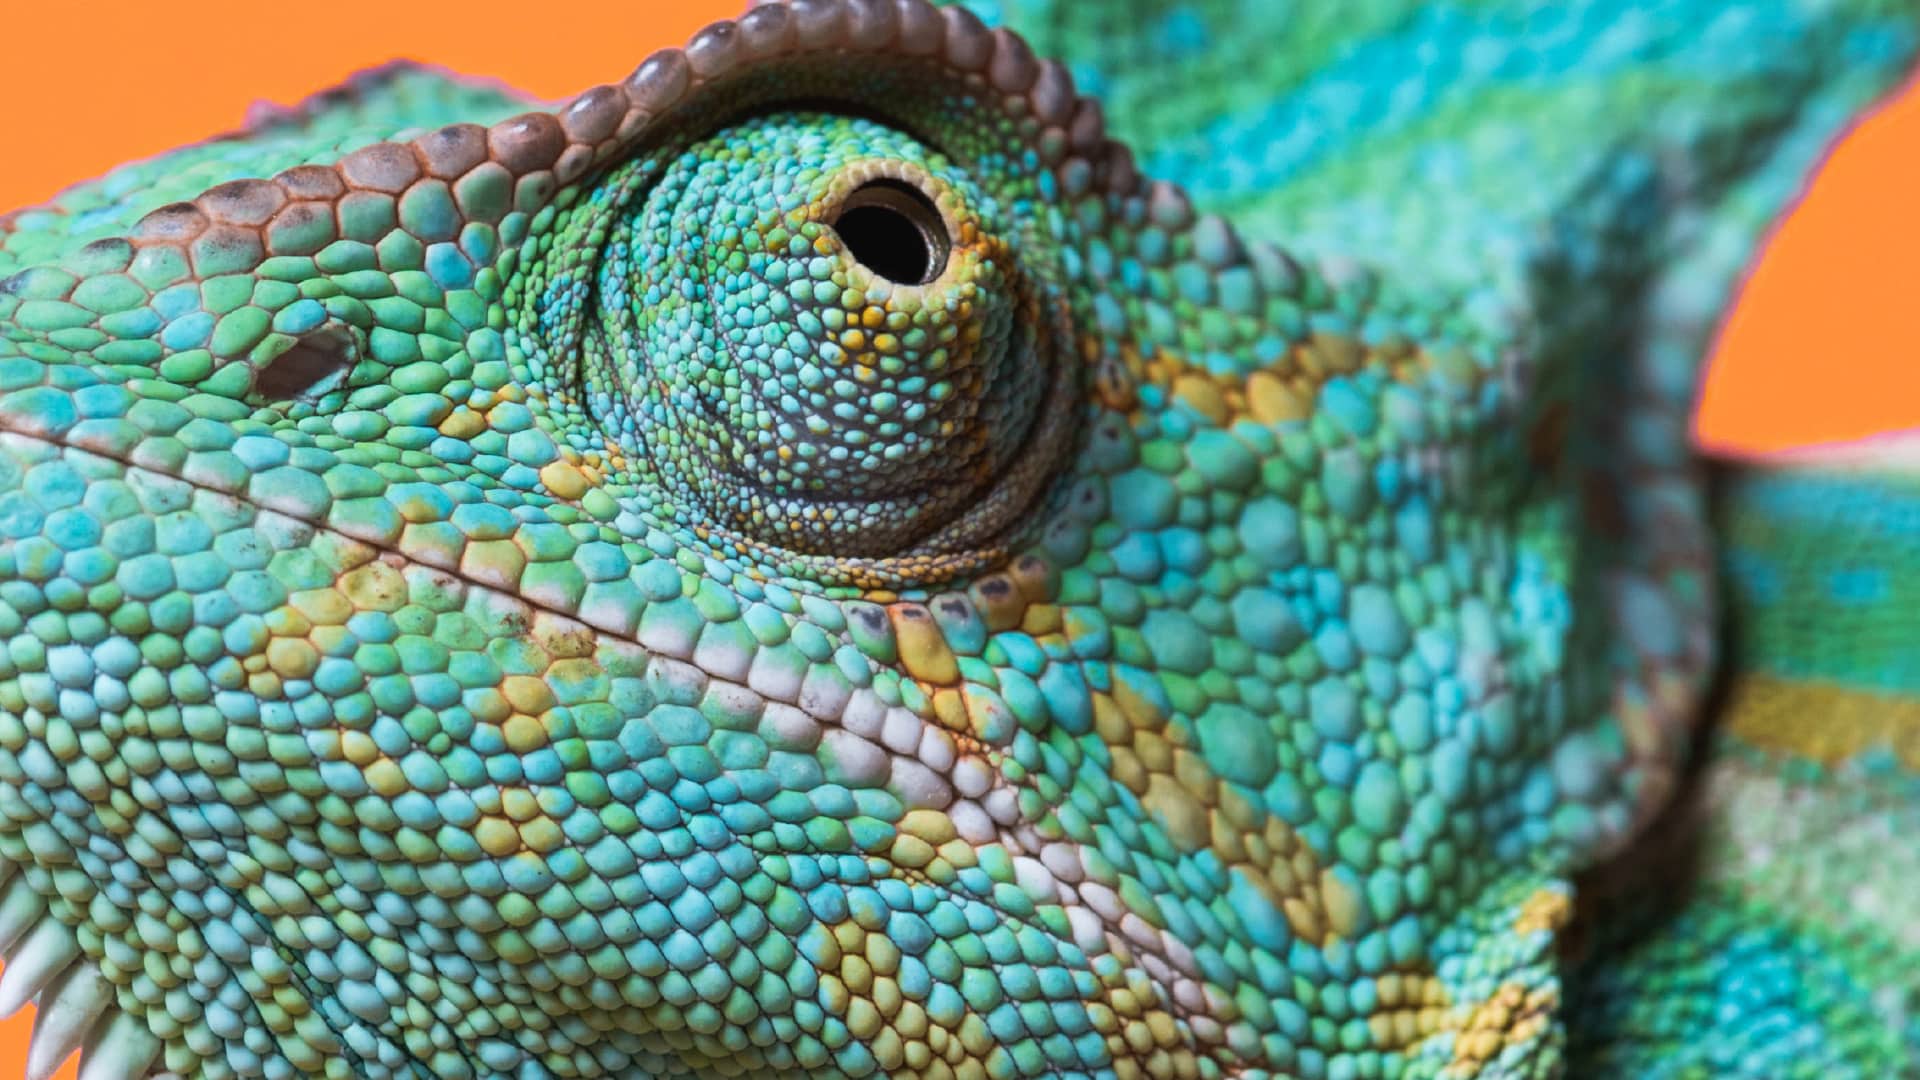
800, 563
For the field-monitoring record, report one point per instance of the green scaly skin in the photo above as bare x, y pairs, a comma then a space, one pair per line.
806, 562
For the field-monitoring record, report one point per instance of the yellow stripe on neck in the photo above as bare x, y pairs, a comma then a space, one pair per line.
1822, 721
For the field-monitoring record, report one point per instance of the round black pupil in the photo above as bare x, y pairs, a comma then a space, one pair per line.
893, 231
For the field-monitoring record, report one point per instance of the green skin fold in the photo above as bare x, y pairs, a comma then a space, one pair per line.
838, 556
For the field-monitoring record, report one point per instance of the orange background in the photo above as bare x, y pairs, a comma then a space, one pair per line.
1820, 348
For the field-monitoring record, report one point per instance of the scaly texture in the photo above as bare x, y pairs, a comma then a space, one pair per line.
806, 562
1778, 909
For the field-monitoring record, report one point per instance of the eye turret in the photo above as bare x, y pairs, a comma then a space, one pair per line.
825, 341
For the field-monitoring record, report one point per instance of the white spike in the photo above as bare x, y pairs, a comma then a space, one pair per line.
66, 1009
45, 952
118, 1048
20, 909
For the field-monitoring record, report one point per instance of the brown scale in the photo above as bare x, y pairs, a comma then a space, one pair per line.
1003, 598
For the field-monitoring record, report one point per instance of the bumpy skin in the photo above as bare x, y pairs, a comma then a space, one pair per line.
539, 600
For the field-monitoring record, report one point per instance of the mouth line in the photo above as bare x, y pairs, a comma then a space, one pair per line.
400, 558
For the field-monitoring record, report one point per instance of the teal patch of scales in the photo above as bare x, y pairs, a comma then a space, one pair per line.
1824, 576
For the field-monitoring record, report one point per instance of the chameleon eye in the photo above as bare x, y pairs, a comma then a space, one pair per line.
894, 230
818, 336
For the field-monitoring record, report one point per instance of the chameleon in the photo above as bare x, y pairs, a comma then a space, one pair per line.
1148, 540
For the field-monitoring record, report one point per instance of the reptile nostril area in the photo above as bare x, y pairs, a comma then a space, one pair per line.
310, 367
894, 230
